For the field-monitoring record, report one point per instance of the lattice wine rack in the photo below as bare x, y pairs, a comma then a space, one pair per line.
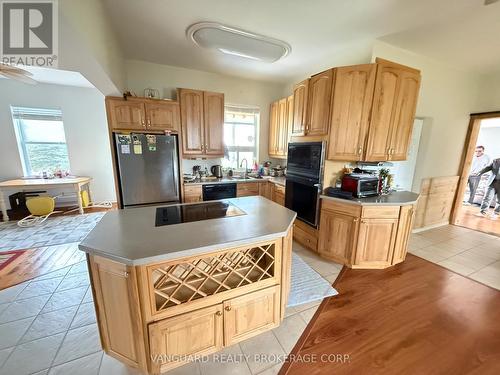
179, 283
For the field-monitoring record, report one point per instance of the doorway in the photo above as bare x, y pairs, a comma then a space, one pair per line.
476, 200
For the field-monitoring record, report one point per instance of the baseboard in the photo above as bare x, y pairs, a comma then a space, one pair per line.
434, 226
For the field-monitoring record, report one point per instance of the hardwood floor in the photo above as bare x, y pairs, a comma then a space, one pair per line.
469, 220
414, 318
39, 261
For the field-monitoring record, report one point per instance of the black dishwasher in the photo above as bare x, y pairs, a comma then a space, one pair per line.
219, 191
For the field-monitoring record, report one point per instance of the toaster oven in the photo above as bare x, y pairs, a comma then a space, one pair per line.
361, 185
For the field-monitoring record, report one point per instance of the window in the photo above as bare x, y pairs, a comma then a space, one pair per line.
41, 140
240, 136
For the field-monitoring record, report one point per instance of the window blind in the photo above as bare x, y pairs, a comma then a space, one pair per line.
26, 113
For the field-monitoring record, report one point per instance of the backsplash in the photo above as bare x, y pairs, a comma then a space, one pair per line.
187, 164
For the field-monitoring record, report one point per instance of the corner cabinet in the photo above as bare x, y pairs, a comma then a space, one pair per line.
202, 120
393, 111
364, 236
143, 114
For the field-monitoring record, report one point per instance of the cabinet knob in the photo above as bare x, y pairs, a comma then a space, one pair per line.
227, 308
356, 220
360, 150
218, 313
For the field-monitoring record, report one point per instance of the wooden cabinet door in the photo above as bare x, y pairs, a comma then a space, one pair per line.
289, 121
273, 129
117, 306
126, 114
163, 116
247, 189
376, 241
214, 123
350, 111
266, 189
191, 102
192, 193
404, 114
337, 236
405, 225
196, 333
251, 314
300, 93
385, 95
282, 133
318, 103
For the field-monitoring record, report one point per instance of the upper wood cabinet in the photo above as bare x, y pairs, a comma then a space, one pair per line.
163, 116
350, 111
393, 111
202, 119
318, 104
280, 122
142, 114
300, 95
213, 107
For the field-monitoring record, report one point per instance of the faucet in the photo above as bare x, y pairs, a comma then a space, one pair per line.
246, 167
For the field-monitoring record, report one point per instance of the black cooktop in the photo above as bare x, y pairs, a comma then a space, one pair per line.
195, 212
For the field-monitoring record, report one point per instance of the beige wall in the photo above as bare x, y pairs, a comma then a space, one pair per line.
141, 75
488, 98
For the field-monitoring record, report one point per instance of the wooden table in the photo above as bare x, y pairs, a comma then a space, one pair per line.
77, 183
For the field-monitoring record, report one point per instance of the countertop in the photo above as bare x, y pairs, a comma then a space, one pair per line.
229, 180
129, 236
396, 198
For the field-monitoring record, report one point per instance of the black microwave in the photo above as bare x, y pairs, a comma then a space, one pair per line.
305, 158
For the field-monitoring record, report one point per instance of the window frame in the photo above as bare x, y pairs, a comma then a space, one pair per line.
256, 125
21, 136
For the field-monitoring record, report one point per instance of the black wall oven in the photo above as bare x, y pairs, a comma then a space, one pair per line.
304, 179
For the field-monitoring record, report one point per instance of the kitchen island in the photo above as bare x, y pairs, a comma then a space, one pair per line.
175, 282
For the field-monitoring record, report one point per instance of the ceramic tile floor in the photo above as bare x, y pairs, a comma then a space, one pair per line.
464, 251
48, 326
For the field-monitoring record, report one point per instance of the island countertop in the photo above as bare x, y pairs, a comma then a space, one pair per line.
396, 198
130, 236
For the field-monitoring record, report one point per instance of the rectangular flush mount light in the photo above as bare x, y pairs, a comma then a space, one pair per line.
236, 42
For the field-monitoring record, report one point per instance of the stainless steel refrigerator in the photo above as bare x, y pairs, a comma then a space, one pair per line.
148, 168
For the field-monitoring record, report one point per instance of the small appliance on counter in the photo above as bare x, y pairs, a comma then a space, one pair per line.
216, 171
277, 171
361, 184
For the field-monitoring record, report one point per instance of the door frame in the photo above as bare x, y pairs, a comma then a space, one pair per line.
466, 160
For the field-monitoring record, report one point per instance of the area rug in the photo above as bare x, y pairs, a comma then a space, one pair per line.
306, 284
7, 257
55, 231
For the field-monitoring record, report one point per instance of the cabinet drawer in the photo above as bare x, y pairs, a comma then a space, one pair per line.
305, 238
247, 189
195, 333
381, 212
341, 207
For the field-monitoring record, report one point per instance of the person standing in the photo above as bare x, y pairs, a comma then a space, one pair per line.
479, 161
493, 188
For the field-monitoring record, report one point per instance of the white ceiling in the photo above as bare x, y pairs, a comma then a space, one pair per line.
322, 33
57, 77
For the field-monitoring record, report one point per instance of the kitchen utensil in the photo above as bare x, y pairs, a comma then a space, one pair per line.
216, 170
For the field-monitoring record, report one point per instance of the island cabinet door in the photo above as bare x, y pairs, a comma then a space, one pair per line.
376, 241
117, 305
173, 340
251, 314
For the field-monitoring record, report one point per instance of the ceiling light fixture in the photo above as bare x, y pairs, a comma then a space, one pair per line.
236, 42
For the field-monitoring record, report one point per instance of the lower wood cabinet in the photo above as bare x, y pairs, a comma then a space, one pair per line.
176, 340
193, 193
197, 333
306, 235
364, 236
247, 189
279, 194
266, 189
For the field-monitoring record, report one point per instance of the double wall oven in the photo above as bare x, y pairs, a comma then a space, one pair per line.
304, 179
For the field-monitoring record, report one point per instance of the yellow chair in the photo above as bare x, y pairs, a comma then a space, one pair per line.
40, 209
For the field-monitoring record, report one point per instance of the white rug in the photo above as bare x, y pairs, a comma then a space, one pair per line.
306, 284
55, 231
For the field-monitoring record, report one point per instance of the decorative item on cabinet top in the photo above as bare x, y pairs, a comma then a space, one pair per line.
143, 114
